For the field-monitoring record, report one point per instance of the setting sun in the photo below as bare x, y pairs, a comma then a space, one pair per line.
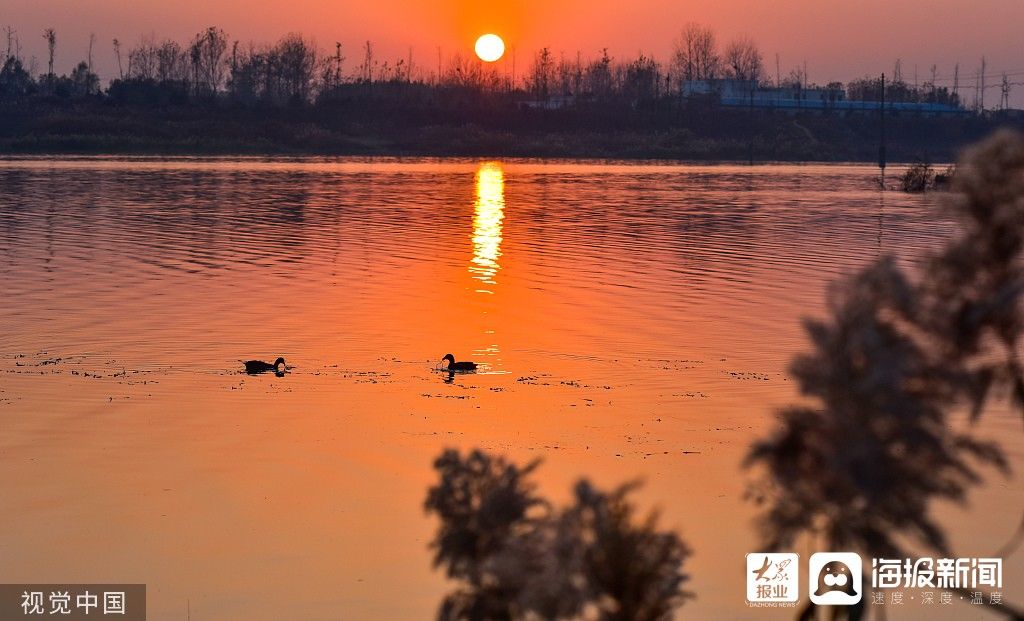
490, 48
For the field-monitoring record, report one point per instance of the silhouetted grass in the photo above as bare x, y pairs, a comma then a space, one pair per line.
516, 556
864, 459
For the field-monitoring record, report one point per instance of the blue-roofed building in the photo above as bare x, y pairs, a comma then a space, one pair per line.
794, 99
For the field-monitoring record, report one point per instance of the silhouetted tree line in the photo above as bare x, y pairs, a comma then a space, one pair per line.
295, 71
870, 89
292, 96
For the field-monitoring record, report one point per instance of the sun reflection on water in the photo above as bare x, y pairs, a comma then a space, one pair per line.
488, 212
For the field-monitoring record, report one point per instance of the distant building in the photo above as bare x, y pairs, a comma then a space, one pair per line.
793, 99
554, 102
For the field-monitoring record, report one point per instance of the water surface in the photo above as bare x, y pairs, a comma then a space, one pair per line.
633, 321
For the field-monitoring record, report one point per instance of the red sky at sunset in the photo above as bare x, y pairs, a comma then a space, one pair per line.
839, 39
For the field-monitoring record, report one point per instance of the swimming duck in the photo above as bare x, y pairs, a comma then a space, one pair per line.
253, 367
458, 366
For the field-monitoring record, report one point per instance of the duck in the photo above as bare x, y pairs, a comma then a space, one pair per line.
253, 367
465, 365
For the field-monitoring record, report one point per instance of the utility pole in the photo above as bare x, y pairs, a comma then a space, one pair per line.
751, 116
881, 145
982, 96
337, 63
956, 82
977, 80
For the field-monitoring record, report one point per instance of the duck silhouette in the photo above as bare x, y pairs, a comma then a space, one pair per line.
465, 365
255, 367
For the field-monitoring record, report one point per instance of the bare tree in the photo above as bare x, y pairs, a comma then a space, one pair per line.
297, 60
10, 41
117, 53
463, 71
171, 62
283, 73
143, 60
796, 78
569, 73
640, 81
695, 55
51, 46
598, 75
248, 81
207, 54
743, 59
83, 81
15, 81
92, 42
330, 69
367, 67
542, 74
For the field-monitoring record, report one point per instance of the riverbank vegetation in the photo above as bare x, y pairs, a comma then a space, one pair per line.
922, 177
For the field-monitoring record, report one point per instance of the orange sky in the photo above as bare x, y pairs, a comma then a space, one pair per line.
839, 39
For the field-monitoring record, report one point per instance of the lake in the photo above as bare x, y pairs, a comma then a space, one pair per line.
633, 321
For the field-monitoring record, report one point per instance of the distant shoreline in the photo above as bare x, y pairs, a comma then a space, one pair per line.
701, 136
171, 154
723, 153
398, 158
